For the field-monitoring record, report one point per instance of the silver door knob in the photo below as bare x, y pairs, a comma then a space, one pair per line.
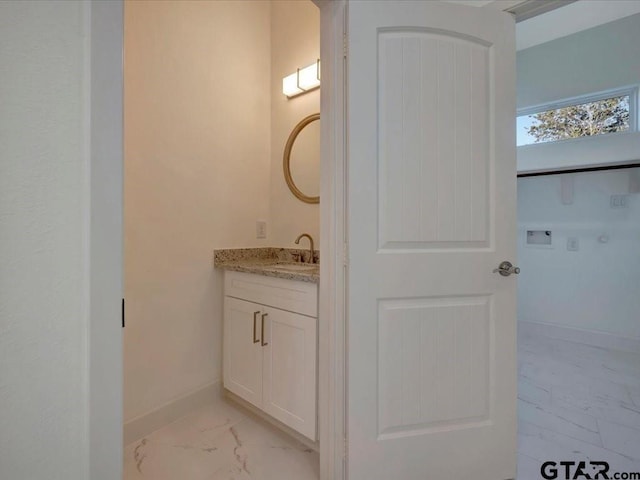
506, 268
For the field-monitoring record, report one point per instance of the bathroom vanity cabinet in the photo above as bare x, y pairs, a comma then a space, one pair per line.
270, 346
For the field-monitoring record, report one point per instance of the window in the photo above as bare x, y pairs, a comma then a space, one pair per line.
601, 114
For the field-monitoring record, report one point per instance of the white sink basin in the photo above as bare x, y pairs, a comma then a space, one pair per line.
295, 267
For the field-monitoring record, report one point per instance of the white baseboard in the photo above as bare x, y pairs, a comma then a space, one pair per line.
147, 423
580, 335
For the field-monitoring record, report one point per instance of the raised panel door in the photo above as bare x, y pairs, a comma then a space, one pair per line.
290, 379
242, 371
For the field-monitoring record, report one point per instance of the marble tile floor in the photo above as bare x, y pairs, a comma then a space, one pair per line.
576, 402
219, 442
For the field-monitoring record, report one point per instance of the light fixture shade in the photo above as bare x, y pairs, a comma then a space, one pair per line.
303, 80
290, 85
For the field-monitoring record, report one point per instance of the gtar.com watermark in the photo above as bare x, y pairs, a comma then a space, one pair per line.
571, 470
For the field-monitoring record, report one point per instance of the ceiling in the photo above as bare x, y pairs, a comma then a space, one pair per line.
570, 19
540, 21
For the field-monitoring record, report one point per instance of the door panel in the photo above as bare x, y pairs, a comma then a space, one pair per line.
290, 370
243, 356
421, 385
432, 171
433, 88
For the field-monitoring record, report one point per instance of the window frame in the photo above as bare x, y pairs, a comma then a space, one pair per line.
630, 91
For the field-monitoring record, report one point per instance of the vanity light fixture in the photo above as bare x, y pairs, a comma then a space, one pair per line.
302, 81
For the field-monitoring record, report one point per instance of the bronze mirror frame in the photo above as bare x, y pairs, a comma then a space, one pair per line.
287, 157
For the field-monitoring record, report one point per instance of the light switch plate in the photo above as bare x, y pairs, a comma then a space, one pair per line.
573, 244
261, 229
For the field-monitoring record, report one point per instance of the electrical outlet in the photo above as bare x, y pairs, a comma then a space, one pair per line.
618, 201
261, 229
573, 244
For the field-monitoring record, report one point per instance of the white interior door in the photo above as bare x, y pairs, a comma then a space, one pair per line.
432, 201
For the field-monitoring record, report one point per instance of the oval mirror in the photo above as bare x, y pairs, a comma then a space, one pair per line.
301, 160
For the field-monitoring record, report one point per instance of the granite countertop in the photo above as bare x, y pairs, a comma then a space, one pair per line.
285, 263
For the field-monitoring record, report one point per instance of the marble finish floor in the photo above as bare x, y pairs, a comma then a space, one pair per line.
576, 402
219, 442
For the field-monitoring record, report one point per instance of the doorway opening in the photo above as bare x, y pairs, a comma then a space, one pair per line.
206, 123
578, 238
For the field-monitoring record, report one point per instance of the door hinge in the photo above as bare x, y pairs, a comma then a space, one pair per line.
345, 254
345, 451
344, 45
123, 313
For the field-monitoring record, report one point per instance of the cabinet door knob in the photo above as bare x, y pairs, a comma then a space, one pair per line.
255, 327
263, 343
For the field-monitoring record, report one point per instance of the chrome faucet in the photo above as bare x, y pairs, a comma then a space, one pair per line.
310, 247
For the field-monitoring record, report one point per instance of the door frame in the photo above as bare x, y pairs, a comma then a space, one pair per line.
103, 124
332, 348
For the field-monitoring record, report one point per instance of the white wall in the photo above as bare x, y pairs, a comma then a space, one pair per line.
43, 227
572, 18
197, 177
295, 43
598, 59
596, 287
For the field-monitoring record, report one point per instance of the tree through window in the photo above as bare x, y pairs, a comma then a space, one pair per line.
609, 115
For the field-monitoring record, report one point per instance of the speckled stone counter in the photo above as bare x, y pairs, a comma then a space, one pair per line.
286, 263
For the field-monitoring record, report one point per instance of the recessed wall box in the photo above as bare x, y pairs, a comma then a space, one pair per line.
539, 237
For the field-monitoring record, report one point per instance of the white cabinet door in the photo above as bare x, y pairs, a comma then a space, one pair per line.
242, 349
289, 385
432, 194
